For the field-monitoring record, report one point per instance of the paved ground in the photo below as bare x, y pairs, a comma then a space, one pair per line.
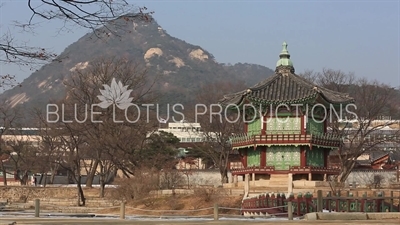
70, 221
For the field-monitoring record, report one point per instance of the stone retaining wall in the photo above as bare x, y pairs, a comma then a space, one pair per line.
24, 193
48, 202
60, 196
366, 178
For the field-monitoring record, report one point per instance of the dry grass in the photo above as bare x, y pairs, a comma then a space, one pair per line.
185, 205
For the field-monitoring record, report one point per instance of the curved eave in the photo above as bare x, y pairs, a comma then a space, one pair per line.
233, 99
330, 101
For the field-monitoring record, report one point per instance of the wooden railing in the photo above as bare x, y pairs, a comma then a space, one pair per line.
253, 169
302, 204
313, 169
323, 139
292, 169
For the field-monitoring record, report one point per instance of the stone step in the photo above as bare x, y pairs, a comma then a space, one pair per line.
269, 190
279, 178
279, 175
278, 182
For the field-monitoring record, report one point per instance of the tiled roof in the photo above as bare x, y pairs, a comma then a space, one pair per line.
285, 88
395, 155
363, 162
375, 155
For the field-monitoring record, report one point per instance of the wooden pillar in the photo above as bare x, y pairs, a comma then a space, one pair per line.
302, 125
290, 183
246, 185
310, 176
264, 125
319, 201
263, 157
216, 217
290, 210
37, 207
122, 211
302, 156
253, 179
245, 158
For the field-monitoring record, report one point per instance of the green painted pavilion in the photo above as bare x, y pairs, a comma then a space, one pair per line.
290, 135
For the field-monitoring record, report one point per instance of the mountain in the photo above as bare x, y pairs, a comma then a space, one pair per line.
181, 67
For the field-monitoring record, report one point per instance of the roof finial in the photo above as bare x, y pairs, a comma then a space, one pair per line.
284, 49
284, 57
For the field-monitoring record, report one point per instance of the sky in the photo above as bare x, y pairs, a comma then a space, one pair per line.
353, 36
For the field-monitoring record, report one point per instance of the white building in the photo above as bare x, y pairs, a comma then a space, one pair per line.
186, 132
189, 134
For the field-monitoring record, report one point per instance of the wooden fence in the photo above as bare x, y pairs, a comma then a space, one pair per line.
277, 204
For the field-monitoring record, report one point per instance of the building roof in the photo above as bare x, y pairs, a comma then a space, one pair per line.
375, 155
364, 162
395, 156
285, 87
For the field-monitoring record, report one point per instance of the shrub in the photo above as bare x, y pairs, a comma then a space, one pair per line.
137, 187
171, 179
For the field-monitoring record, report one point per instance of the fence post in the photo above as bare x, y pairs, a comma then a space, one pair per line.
290, 206
356, 202
364, 202
37, 207
391, 201
299, 200
379, 207
319, 201
374, 201
348, 200
328, 201
122, 211
216, 212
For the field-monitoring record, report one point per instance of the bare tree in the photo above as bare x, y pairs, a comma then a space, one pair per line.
335, 80
23, 155
113, 142
359, 129
50, 148
8, 118
73, 144
217, 124
85, 13
373, 100
309, 75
